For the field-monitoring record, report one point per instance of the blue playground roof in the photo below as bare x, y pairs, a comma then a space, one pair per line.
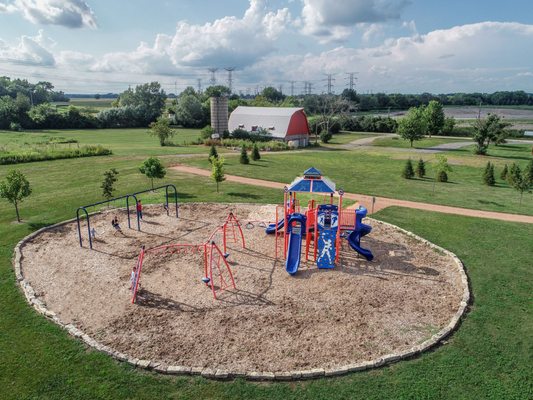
312, 182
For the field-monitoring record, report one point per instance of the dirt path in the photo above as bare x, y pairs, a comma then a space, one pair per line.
366, 201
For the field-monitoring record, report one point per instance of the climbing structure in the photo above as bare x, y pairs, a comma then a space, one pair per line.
217, 271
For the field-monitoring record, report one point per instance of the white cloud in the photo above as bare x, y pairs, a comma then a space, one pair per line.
335, 20
69, 13
228, 41
29, 50
463, 58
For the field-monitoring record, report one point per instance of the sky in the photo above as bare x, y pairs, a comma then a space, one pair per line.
391, 46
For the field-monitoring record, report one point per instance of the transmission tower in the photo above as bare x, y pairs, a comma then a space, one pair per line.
230, 77
199, 84
292, 88
213, 79
330, 79
351, 80
280, 88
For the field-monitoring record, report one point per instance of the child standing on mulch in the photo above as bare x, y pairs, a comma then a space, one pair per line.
139, 209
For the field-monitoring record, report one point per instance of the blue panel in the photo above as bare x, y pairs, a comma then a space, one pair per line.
312, 172
321, 187
328, 224
303, 185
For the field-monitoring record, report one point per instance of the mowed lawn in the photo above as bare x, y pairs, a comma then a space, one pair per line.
120, 141
379, 174
489, 356
424, 143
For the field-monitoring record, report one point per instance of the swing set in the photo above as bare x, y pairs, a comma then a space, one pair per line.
216, 267
130, 198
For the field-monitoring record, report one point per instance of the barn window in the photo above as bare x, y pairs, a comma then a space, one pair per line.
271, 128
241, 126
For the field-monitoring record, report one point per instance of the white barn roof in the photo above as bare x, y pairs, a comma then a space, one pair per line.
274, 119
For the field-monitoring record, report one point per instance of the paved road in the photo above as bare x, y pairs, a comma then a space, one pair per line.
366, 201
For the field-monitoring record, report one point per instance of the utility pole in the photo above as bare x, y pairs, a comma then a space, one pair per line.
292, 88
213, 79
230, 78
329, 83
351, 80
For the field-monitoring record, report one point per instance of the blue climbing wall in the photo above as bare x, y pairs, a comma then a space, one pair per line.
327, 224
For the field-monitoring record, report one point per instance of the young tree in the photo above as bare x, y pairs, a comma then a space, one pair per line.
449, 125
421, 168
504, 172
213, 152
488, 175
408, 171
434, 115
441, 170
217, 170
15, 188
244, 156
521, 182
529, 172
153, 168
108, 185
487, 130
413, 125
514, 174
255, 153
162, 130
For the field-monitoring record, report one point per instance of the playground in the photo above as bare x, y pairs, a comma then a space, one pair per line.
278, 316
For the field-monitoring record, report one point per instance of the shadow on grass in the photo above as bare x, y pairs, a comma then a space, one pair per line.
486, 202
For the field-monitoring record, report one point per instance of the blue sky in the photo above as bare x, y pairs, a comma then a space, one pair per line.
407, 46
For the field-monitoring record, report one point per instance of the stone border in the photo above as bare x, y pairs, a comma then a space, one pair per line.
219, 374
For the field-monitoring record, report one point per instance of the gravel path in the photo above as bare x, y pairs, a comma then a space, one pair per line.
370, 202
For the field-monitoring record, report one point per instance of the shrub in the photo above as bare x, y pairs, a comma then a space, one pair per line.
421, 168
488, 175
206, 132
213, 152
408, 171
504, 172
255, 153
442, 176
244, 156
31, 156
325, 136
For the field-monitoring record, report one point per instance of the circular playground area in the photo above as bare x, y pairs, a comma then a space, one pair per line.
271, 321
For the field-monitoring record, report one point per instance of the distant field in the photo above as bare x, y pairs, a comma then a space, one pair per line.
92, 103
120, 141
419, 144
521, 113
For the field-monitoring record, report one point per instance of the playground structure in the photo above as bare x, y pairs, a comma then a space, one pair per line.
214, 259
267, 316
127, 197
322, 225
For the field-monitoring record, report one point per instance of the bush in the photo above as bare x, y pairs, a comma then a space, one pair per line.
206, 132
32, 155
255, 153
273, 145
504, 172
442, 176
244, 156
213, 152
408, 171
421, 168
488, 175
325, 136
15, 126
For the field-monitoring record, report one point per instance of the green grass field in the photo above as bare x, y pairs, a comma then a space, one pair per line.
120, 141
419, 144
489, 357
89, 102
379, 174
345, 137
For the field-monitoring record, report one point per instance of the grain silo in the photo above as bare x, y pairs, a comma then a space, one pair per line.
219, 114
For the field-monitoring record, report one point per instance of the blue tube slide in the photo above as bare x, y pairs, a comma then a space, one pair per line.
271, 228
295, 230
354, 239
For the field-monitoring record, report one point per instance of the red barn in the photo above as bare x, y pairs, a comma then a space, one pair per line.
283, 123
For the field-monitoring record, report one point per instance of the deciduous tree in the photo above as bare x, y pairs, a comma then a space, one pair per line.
153, 169
15, 188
